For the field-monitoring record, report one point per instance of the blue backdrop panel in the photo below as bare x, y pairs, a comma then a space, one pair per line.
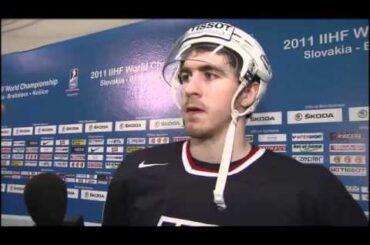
78, 107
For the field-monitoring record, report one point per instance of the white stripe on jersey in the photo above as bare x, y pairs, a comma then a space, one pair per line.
238, 169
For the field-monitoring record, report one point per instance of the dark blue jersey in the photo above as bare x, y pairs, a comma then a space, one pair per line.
164, 185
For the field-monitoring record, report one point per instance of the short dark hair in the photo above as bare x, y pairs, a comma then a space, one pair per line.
233, 58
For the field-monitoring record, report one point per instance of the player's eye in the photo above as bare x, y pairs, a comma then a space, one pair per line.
184, 77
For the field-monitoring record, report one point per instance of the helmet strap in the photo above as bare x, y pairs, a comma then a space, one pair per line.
218, 192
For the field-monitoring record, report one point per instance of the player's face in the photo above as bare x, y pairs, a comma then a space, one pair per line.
208, 84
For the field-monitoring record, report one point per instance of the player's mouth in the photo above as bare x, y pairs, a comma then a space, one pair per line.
192, 110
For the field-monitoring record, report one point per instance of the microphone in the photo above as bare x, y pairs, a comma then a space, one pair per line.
45, 196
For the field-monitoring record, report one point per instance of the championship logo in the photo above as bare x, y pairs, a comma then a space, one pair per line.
73, 82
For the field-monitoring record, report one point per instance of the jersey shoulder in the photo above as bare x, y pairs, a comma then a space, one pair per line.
282, 166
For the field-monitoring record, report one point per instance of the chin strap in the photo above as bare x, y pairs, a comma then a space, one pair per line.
218, 192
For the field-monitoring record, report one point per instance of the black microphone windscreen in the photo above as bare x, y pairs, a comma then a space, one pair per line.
45, 196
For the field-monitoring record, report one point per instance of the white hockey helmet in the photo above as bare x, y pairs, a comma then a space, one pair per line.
254, 61
251, 65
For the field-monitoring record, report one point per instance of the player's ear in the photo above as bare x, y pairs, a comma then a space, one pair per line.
249, 94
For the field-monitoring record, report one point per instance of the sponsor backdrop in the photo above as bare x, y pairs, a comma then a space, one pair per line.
78, 107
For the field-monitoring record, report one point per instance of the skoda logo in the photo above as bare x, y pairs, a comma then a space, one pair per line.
298, 116
362, 113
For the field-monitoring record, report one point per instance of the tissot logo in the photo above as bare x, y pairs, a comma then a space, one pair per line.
218, 29
211, 25
315, 116
349, 171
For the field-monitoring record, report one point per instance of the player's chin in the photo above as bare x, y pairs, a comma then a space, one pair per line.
195, 130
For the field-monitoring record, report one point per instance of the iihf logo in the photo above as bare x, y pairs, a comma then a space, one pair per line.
73, 82
73, 79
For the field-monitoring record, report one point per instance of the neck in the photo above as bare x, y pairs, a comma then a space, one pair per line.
210, 149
